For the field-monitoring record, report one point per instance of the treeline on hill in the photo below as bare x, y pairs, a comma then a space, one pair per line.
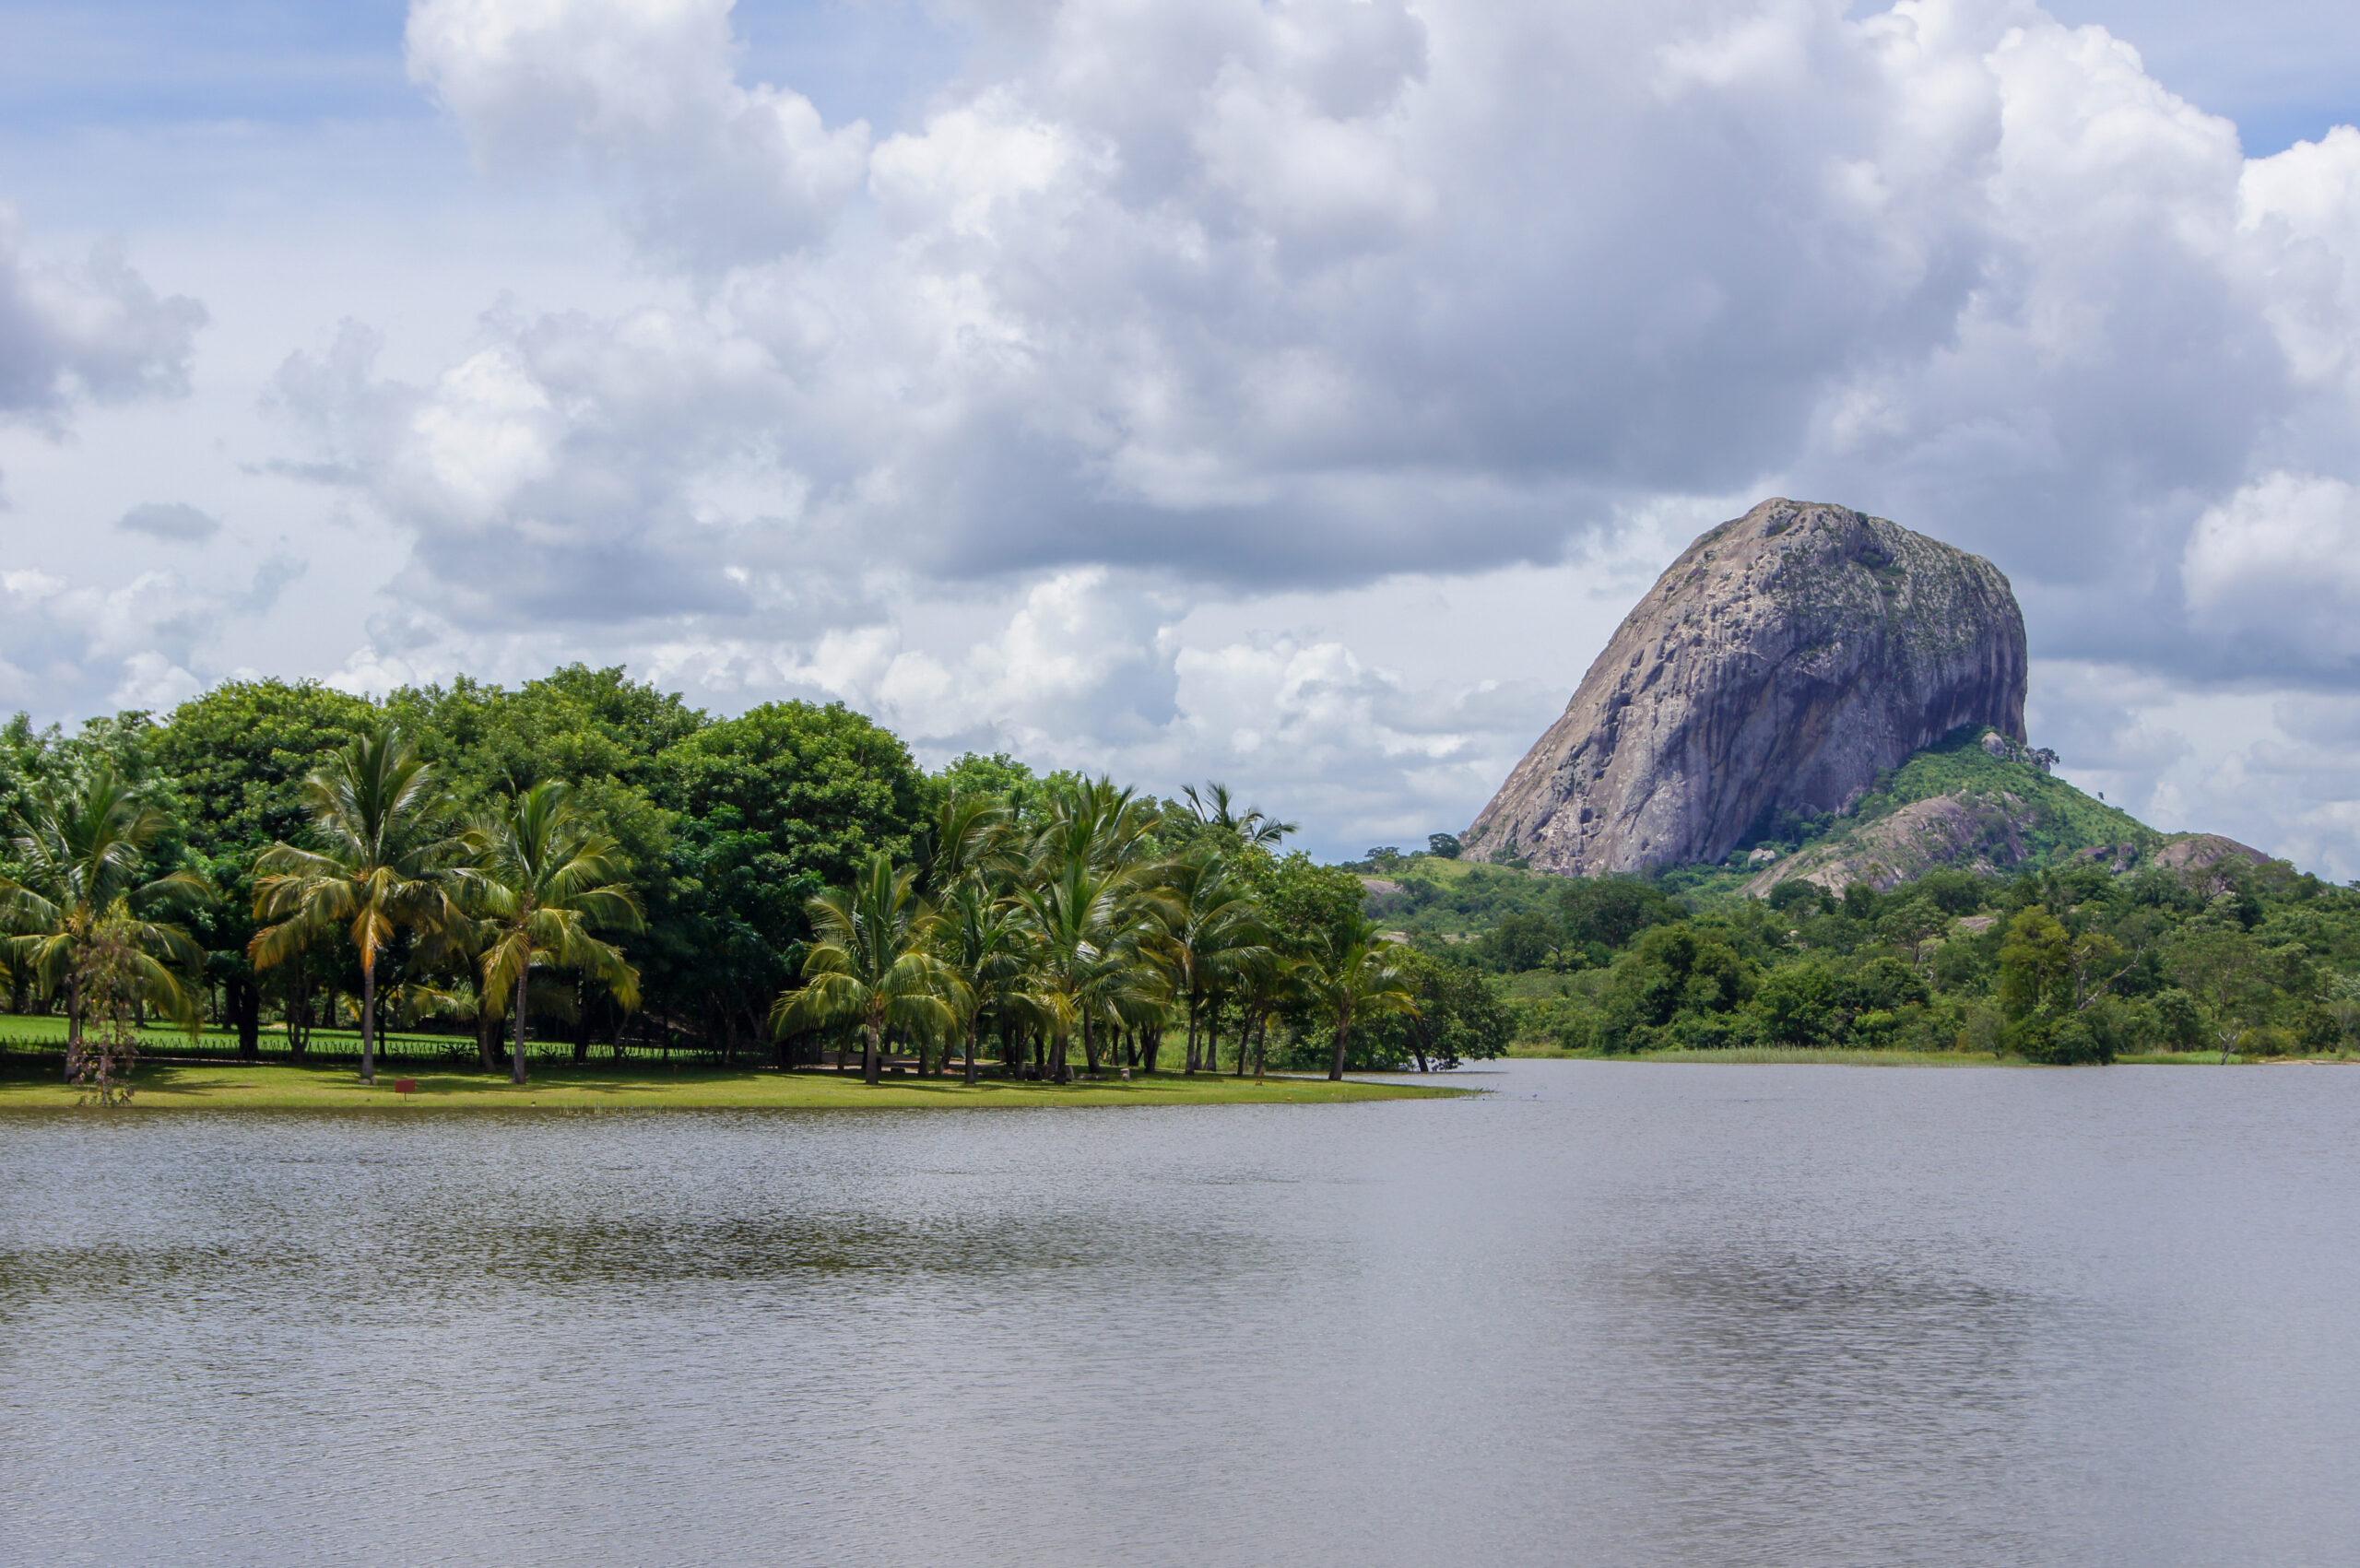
606, 863
2078, 964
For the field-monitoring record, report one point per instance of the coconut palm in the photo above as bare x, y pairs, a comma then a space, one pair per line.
1089, 924
1096, 823
1264, 986
1356, 977
82, 854
1216, 932
982, 940
379, 865
539, 878
968, 839
1215, 807
871, 963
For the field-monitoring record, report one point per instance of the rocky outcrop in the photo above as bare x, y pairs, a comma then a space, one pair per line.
2031, 821
1784, 660
1987, 835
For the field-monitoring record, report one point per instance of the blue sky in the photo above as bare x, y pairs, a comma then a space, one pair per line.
1294, 392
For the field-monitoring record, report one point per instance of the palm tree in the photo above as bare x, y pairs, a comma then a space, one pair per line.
541, 877
1355, 977
1266, 986
1217, 808
982, 941
82, 854
968, 839
379, 865
871, 963
1089, 924
1216, 933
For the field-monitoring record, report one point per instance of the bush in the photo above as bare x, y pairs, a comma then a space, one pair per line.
1875, 1031
1575, 1031
1713, 1031
2179, 1022
2058, 1042
2271, 1040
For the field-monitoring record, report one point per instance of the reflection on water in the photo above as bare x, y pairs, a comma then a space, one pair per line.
1610, 1312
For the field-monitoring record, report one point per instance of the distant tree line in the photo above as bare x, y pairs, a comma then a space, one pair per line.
2071, 965
588, 857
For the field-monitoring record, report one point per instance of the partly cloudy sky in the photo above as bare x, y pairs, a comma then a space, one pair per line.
1293, 392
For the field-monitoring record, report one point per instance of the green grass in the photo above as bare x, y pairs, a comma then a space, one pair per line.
163, 1086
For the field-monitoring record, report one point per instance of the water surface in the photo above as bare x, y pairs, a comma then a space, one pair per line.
1621, 1313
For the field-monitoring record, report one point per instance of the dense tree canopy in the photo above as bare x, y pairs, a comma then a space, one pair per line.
1050, 914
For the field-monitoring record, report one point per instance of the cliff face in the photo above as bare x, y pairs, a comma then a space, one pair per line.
1784, 660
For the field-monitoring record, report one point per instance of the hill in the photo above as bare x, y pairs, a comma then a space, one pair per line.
1977, 800
1782, 662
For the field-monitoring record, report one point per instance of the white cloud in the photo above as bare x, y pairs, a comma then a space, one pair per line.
91, 331
2274, 572
1062, 410
713, 172
67, 648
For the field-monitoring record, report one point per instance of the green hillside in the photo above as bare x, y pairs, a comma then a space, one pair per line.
1975, 800
1452, 900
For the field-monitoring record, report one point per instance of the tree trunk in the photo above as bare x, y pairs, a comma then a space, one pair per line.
1088, 1046
970, 1054
1153, 1047
1245, 1034
869, 1064
1336, 1067
74, 1018
517, 1065
1261, 1048
580, 1024
245, 1007
1060, 1069
369, 1019
1191, 1067
298, 1004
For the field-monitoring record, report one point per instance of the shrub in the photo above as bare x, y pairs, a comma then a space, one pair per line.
2058, 1042
1713, 1031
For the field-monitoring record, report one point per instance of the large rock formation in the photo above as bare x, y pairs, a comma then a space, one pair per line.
1784, 661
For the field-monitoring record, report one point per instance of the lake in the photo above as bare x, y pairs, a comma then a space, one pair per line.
1616, 1314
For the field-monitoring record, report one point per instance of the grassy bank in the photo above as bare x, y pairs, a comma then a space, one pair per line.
1806, 1054
1846, 1056
164, 1086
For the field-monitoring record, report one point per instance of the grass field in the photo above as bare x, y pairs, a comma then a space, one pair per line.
161, 1085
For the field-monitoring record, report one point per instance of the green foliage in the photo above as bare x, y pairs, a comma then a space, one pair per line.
771, 809
2071, 963
1458, 1018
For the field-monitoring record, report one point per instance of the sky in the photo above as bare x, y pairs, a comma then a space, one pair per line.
1294, 393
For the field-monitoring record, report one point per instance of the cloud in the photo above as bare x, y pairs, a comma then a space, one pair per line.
712, 172
2272, 574
174, 522
1146, 306
70, 650
87, 331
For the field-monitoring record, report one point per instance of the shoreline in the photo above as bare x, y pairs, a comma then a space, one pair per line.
280, 1087
1852, 1056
